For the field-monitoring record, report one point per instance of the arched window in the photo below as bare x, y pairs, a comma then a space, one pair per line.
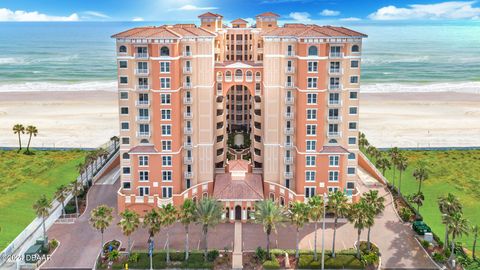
312, 50
219, 75
351, 156
257, 75
272, 196
164, 51
332, 141
249, 212
122, 49
126, 156
144, 141
227, 215
228, 73
355, 48
238, 72
249, 73
282, 201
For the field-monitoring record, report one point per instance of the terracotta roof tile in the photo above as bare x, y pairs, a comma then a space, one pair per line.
239, 21
251, 188
268, 14
143, 149
311, 30
210, 15
334, 150
164, 31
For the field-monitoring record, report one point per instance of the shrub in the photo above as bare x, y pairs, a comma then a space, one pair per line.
370, 258
271, 264
70, 209
405, 214
177, 256
134, 257
364, 248
438, 257
212, 255
113, 256
53, 244
425, 244
260, 254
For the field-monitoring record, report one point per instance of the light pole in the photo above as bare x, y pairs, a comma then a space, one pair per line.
325, 199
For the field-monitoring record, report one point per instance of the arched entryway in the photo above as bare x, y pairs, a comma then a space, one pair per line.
238, 212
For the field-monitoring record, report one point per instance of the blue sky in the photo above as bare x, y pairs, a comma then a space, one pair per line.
187, 10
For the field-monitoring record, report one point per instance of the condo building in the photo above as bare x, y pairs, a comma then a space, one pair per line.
237, 112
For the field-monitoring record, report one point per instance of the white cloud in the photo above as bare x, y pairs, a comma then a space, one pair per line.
192, 7
250, 21
328, 12
443, 10
350, 19
137, 19
33, 16
300, 16
97, 14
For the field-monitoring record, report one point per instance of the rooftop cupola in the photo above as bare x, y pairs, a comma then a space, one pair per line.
267, 20
239, 23
211, 21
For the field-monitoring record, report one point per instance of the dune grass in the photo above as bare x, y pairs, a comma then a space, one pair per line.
454, 171
24, 178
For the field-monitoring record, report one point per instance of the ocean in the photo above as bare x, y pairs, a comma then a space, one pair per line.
431, 56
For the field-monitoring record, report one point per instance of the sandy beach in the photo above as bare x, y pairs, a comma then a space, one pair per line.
88, 119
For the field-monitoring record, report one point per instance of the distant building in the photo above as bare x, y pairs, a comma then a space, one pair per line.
183, 89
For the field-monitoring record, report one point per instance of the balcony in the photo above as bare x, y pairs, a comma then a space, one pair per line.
336, 55
228, 78
249, 78
335, 71
289, 131
143, 118
258, 78
334, 134
288, 174
334, 87
188, 145
334, 102
188, 115
188, 175
141, 71
219, 78
143, 134
289, 100
187, 160
142, 87
289, 85
290, 53
141, 55
188, 130
187, 53
187, 70
334, 118
238, 78
289, 69
187, 100
289, 115
187, 85
142, 103
288, 145
288, 160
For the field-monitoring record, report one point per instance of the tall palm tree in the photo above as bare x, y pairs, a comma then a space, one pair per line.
269, 214
373, 152
187, 216
418, 199
101, 218
61, 195
360, 215
421, 174
394, 154
338, 205
19, 129
475, 230
31, 131
42, 210
76, 188
316, 212
128, 223
448, 205
102, 153
362, 140
81, 170
378, 205
457, 226
208, 213
298, 216
114, 140
402, 164
152, 221
383, 163
169, 217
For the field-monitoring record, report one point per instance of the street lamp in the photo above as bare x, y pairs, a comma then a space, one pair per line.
325, 200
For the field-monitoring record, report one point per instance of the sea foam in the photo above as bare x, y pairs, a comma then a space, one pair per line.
53, 87
460, 87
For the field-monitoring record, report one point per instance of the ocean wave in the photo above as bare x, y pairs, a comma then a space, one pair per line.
460, 87
12, 61
55, 87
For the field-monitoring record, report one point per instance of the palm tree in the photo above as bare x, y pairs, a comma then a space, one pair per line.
114, 140
208, 213
378, 205
102, 153
362, 140
187, 216
418, 199
90, 160
81, 170
457, 226
448, 205
316, 211
152, 221
61, 195
76, 189
475, 231
31, 131
269, 214
402, 164
169, 217
383, 164
421, 174
373, 152
298, 215
394, 154
42, 210
360, 215
101, 218
19, 129
337, 204
128, 223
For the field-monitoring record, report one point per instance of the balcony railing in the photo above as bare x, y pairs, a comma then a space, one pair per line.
290, 53
187, 53
288, 160
188, 130
334, 86
141, 103
289, 115
249, 78
188, 145
141, 55
334, 102
228, 78
288, 144
289, 100
188, 115
290, 69
336, 55
288, 174
239, 78
143, 118
335, 71
187, 100
187, 85
187, 70
143, 134
219, 78
289, 131
333, 118
334, 134
188, 175
141, 71
258, 78
142, 87
289, 85
187, 160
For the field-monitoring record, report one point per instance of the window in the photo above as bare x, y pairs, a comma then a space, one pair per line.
125, 140
122, 64
353, 79
333, 161
165, 83
351, 170
352, 140
166, 160
144, 129
167, 176
166, 130
126, 170
353, 95
333, 114
165, 98
353, 110
355, 49
123, 80
352, 125
143, 114
166, 145
312, 50
310, 161
311, 114
123, 95
143, 191
311, 98
122, 49
312, 66
309, 176
166, 114
333, 128
124, 110
126, 156
333, 176
350, 185
164, 51
334, 98
311, 145
143, 175
312, 82
311, 130
127, 185
167, 192
164, 67
354, 64
125, 126
309, 192
143, 161
351, 156
332, 189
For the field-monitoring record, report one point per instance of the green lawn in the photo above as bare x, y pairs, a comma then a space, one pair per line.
455, 171
23, 179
